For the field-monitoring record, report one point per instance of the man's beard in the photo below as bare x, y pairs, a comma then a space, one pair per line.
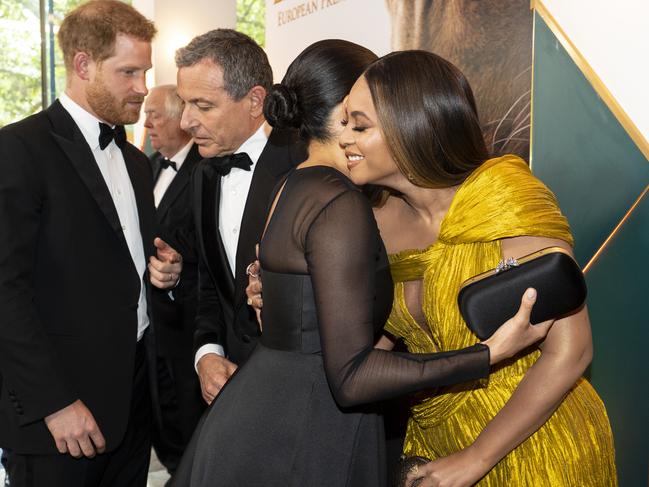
107, 107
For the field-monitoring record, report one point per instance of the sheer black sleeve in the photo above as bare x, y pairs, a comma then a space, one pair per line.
342, 248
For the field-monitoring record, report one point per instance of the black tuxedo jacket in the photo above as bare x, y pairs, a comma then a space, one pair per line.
174, 318
223, 316
68, 287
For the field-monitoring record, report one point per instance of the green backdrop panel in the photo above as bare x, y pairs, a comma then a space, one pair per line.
618, 287
580, 149
585, 156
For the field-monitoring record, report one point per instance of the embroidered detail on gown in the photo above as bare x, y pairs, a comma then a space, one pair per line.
574, 447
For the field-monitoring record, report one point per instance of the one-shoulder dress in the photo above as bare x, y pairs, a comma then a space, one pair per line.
501, 199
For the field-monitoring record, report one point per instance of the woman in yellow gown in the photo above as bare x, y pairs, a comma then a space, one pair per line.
412, 127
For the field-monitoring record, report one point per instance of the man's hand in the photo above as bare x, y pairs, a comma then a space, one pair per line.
165, 267
75, 431
213, 372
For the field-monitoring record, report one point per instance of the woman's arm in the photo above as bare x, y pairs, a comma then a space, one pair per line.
342, 248
566, 352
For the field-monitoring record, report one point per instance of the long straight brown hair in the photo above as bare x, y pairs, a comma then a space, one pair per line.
427, 113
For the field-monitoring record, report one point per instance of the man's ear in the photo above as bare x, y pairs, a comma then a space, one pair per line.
256, 95
82, 65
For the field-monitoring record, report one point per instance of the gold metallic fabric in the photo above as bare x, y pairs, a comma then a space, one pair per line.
501, 199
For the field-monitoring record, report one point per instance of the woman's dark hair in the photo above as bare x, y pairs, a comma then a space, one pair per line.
428, 117
315, 82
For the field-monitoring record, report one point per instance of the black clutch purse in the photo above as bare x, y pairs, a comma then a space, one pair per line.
489, 299
404, 466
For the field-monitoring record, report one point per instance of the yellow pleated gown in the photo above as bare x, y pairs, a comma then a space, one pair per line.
574, 447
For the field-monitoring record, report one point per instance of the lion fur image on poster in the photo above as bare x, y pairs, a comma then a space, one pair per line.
491, 42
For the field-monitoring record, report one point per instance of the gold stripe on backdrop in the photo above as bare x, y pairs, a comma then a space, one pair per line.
595, 81
615, 231
532, 91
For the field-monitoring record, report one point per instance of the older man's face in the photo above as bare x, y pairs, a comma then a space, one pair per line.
164, 131
217, 123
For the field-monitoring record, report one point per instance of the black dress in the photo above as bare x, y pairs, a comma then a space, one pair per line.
293, 414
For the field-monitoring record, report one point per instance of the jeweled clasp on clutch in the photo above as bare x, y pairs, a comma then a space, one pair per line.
503, 265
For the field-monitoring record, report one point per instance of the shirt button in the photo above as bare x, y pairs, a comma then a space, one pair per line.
235, 230
124, 227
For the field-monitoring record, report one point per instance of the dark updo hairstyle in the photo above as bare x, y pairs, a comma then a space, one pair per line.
428, 117
315, 82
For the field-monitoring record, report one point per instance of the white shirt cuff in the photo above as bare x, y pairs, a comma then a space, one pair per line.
205, 349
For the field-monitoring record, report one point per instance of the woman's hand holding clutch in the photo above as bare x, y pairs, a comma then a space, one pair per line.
517, 333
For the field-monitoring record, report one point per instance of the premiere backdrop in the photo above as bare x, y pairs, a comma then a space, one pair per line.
490, 41
292, 25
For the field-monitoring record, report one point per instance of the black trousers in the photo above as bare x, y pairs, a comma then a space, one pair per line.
179, 406
127, 466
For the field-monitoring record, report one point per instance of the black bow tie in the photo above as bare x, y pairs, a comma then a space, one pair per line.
165, 163
107, 133
223, 165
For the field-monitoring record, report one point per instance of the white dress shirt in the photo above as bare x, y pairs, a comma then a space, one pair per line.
168, 174
113, 168
234, 194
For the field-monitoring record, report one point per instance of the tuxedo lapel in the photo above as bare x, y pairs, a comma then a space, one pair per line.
173, 191
214, 251
140, 176
179, 182
74, 145
274, 163
156, 167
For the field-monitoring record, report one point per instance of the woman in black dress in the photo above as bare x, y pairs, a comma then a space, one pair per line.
293, 415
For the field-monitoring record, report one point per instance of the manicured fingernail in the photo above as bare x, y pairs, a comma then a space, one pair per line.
530, 293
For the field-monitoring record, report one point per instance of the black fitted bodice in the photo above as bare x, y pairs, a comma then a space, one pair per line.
293, 326
327, 289
290, 314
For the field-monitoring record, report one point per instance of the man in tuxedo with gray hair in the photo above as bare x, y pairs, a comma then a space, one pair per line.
223, 78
